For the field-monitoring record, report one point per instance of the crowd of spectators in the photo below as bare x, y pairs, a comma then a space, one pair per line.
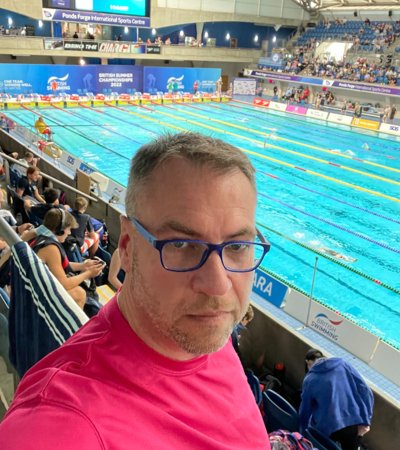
360, 70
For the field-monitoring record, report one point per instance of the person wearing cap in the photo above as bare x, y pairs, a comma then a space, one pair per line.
335, 399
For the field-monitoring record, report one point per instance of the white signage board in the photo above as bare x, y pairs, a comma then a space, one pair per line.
317, 114
342, 331
386, 360
296, 304
340, 118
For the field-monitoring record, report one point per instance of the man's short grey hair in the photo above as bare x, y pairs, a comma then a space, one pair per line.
199, 149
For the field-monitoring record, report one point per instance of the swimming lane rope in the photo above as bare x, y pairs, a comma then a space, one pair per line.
330, 197
340, 227
330, 258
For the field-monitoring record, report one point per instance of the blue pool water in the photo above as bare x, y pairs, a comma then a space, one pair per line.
320, 186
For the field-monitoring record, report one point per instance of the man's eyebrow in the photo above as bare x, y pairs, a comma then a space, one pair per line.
173, 225
243, 233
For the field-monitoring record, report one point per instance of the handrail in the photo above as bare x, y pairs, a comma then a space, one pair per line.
7, 233
64, 185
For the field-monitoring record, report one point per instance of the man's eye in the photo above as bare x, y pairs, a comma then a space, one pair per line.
236, 248
179, 244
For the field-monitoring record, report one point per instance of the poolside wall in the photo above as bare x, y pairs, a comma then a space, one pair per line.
269, 341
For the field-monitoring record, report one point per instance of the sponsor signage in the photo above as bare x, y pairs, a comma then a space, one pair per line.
87, 46
390, 128
377, 89
342, 331
317, 114
297, 305
294, 109
52, 44
114, 47
179, 79
17, 79
261, 102
278, 106
340, 118
153, 49
244, 86
367, 124
373, 88
268, 288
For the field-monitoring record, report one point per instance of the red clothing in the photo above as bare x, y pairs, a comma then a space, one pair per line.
106, 389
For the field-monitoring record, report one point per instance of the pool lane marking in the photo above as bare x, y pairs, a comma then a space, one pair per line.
333, 224
330, 197
320, 149
73, 130
258, 155
320, 175
302, 155
331, 258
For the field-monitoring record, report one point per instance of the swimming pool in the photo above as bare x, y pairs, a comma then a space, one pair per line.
321, 188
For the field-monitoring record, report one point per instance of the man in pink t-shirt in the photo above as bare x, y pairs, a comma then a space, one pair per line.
155, 369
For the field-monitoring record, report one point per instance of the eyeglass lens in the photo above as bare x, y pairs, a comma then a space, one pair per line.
180, 255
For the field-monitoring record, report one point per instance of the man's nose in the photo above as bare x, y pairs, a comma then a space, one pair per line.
212, 278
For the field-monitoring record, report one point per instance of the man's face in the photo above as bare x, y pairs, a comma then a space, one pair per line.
182, 315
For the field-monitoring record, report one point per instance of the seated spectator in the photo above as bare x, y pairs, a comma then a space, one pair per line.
27, 187
29, 160
116, 274
48, 246
37, 212
84, 233
332, 384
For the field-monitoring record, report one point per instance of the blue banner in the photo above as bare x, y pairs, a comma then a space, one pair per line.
61, 15
16, 79
178, 79
268, 288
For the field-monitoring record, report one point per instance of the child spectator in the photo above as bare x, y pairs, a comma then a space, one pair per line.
87, 238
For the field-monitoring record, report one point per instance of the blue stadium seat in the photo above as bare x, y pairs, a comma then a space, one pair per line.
279, 413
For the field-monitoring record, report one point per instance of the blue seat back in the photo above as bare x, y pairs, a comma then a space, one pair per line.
279, 413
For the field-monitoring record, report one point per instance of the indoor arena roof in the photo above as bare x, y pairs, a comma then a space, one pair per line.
341, 5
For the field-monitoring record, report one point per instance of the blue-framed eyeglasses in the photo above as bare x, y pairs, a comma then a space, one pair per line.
185, 255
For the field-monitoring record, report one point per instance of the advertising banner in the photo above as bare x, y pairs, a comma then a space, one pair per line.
244, 86
317, 114
340, 118
153, 49
269, 288
179, 79
87, 46
342, 331
390, 129
294, 109
16, 79
364, 123
278, 106
374, 88
114, 47
261, 102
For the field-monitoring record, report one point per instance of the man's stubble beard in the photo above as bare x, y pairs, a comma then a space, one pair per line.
207, 341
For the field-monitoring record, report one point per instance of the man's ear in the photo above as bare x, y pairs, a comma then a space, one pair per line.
125, 244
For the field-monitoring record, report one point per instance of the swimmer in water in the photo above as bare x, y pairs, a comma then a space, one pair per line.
336, 255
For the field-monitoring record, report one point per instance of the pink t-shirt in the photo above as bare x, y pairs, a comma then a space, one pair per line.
106, 389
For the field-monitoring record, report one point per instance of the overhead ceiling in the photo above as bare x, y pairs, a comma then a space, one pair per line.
342, 5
